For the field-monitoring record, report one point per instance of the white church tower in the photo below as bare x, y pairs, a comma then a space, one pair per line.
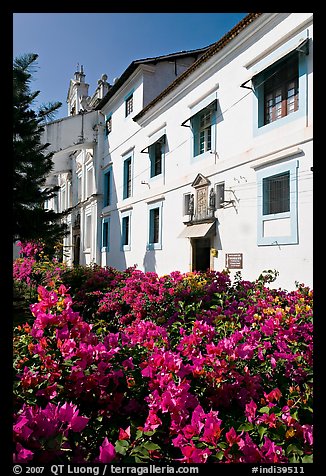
77, 97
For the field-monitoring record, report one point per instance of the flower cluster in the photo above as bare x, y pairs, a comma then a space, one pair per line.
185, 367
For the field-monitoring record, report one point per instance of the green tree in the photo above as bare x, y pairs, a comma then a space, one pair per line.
32, 162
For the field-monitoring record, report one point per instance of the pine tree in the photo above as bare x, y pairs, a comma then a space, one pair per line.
32, 163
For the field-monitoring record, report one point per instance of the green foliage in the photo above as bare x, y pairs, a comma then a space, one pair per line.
32, 164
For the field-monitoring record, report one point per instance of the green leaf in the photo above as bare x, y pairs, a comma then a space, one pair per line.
149, 445
140, 451
307, 459
139, 434
261, 431
294, 449
245, 427
264, 410
121, 447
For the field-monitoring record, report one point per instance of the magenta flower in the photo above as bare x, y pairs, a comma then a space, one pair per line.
271, 452
107, 452
232, 437
194, 455
250, 411
124, 434
22, 454
307, 434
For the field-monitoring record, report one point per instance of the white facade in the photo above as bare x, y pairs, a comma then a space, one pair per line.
237, 121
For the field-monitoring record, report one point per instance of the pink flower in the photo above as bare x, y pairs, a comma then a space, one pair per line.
23, 455
250, 411
107, 452
194, 455
275, 394
272, 453
250, 450
124, 434
232, 437
307, 434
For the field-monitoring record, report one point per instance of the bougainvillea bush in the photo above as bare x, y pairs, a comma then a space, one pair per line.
32, 268
185, 368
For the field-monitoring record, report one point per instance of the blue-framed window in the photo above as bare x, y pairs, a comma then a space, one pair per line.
155, 226
106, 234
127, 177
280, 90
108, 124
126, 231
203, 129
156, 157
277, 204
107, 189
129, 103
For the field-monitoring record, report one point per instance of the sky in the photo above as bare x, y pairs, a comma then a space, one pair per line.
106, 43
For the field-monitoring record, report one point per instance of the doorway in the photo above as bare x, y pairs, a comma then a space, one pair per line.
201, 254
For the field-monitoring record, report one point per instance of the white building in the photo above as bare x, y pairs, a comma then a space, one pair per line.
205, 159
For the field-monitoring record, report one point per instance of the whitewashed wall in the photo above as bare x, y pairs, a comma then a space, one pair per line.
238, 150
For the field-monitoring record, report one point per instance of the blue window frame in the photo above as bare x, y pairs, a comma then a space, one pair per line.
277, 218
126, 231
203, 129
108, 124
156, 155
155, 226
129, 103
106, 234
107, 189
127, 177
280, 91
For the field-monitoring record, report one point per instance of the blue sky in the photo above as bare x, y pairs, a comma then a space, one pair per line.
106, 43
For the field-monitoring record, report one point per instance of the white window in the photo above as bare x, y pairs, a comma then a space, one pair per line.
89, 181
63, 198
79, 188
88, 231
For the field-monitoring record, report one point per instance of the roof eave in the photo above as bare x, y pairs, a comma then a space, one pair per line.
211, 51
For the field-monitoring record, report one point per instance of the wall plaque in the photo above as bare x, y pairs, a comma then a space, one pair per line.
234, 260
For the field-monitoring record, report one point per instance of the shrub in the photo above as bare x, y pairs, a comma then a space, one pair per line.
181, 368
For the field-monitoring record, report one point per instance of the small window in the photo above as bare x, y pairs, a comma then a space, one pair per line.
129, 105
220, 195
155, 155
281, 90
108, 125
202, 124
88, 231
106, 234
154, 225
127, 178
276, 194
89, 182
63, 199
107, 189
125, 239
79, 188
186, 202
277, 208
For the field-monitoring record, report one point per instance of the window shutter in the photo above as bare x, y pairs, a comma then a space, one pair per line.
195, 130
